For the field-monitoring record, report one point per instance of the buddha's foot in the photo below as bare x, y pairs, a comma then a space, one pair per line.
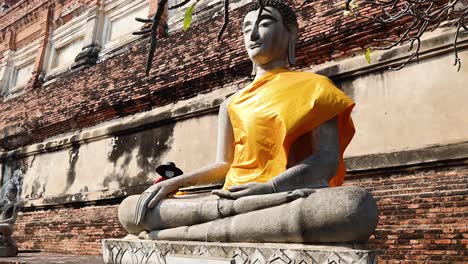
143, 235
131, 237
301, 193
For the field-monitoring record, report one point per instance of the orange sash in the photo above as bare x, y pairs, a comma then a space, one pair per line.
272, 112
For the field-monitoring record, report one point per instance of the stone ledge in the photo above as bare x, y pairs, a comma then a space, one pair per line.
118, 251
366, 165
418, 157
435, 44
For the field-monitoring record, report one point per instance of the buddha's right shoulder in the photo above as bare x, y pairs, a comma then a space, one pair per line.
228, 100
311, 76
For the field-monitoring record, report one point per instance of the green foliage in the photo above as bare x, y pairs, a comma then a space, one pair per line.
188, 17
368, 52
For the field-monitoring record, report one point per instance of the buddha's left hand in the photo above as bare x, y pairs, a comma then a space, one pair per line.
248, 189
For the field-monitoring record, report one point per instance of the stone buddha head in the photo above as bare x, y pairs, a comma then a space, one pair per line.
276, 35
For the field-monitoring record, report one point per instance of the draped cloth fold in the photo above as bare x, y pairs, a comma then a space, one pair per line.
275, 110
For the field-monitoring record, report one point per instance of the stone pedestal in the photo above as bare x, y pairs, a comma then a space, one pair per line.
8, 246
118, 251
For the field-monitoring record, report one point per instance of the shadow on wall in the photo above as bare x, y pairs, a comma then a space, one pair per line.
149, 146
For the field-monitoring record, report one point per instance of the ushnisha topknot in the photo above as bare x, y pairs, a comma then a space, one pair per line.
288, 14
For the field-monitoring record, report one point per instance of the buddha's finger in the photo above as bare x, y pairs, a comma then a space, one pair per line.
301, 193
158, 197
241, 187
239, 194
222, 194
140, 210
307, 192
138, 207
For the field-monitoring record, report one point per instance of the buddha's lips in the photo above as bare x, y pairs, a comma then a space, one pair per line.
255, 45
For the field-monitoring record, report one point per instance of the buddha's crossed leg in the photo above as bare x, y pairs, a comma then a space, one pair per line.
329, 215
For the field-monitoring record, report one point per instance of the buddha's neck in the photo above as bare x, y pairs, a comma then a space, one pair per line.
263, 69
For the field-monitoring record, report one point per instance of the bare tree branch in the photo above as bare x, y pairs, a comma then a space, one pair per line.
425, 15
181, 4
416, 17
226, 19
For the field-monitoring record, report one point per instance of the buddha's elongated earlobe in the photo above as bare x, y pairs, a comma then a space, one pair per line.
292, 47
254, 69
292, 53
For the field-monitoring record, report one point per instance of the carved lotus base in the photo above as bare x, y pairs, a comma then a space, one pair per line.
117, 251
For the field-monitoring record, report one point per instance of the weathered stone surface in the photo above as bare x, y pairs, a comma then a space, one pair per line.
9, 211
13, 136
117, 251
328, 215
9, 250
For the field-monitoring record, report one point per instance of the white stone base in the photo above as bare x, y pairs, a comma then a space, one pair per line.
118, 251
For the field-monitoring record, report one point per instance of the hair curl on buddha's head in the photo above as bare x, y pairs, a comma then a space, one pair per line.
288, 14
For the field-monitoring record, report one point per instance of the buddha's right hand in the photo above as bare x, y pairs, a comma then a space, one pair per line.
151, 196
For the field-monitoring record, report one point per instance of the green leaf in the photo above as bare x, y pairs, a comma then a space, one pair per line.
368, 52
188, 16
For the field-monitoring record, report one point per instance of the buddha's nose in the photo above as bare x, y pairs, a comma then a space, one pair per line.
254, 35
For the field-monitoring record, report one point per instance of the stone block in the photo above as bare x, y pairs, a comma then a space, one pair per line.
119, 251
8, 251
181, 259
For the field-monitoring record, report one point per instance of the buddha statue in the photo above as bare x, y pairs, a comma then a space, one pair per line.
9, 211
279, 152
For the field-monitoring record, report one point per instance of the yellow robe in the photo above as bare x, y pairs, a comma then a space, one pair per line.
272, 112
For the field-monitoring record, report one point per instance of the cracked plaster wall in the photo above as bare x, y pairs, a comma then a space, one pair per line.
421, 105
120, 161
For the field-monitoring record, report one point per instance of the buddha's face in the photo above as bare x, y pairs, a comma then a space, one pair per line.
270, 42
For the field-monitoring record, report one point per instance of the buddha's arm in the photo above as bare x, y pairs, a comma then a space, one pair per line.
316, 170
209, 174
217, 171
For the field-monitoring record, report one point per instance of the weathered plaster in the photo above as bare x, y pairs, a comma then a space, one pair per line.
417, 107
423, 104
121, 153
122, 160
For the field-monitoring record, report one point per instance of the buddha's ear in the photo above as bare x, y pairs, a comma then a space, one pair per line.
254, 69
292, 46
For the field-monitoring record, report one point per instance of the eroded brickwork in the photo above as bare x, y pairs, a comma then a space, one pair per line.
68, 230
423, 215
422, 219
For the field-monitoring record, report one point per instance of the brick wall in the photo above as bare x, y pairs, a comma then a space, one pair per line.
67, 230
422, 219
423, 214
183, 67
